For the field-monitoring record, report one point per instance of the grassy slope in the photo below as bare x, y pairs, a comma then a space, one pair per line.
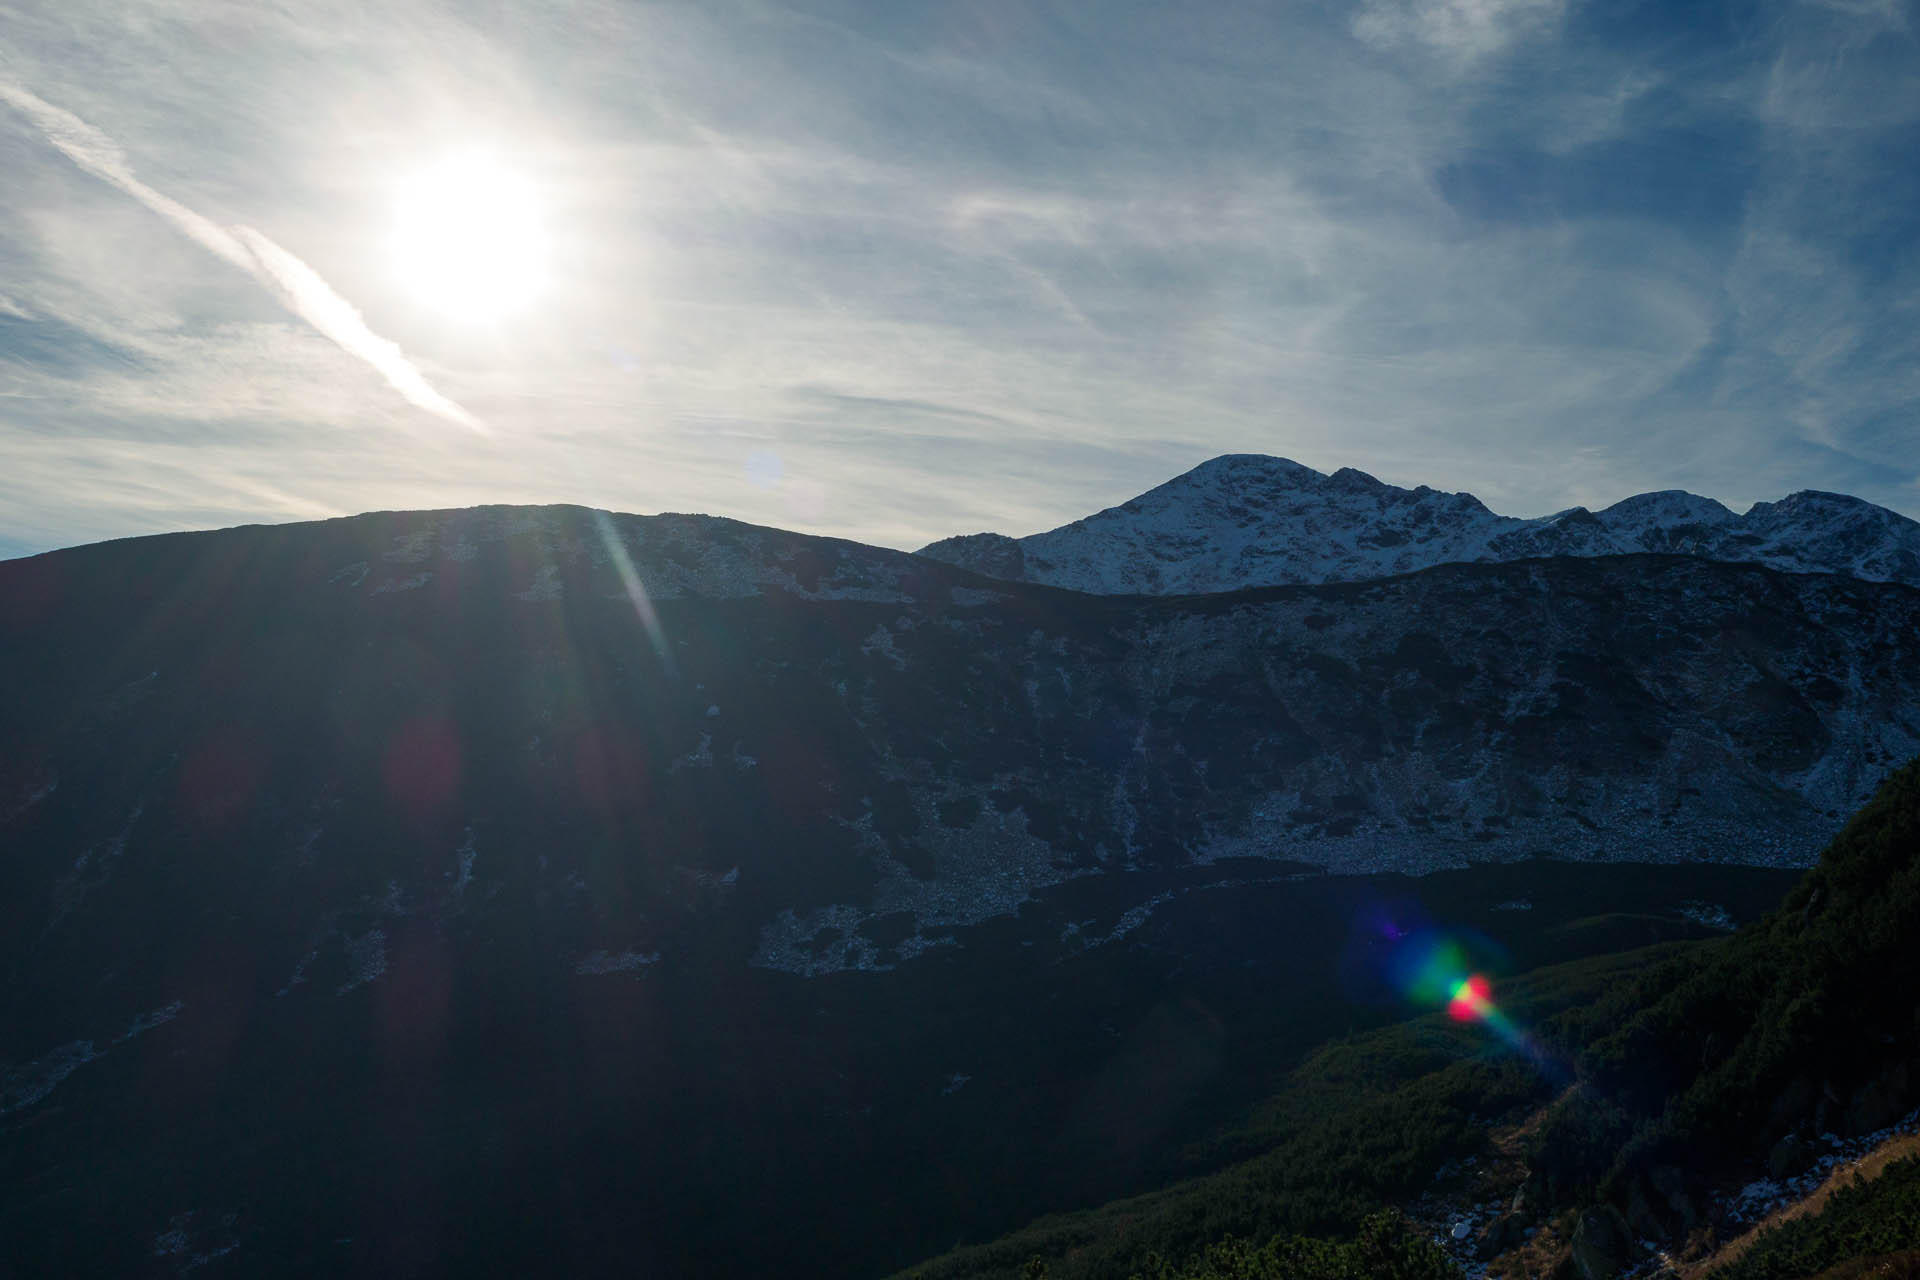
1361, 1123
1700, 1063
1871, 1220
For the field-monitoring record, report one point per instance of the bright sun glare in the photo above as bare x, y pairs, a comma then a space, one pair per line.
468, 238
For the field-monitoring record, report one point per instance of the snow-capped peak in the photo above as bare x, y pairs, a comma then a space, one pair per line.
1248, 520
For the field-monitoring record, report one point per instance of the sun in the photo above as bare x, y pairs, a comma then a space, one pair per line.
469, 239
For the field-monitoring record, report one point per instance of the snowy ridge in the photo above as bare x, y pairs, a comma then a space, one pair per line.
1248, 520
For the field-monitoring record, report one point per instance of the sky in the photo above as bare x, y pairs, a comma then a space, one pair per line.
894, 271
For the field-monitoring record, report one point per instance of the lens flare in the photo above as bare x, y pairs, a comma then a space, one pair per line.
1472, 999
636, 590
1439, 970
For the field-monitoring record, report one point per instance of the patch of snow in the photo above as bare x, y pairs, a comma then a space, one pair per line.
825, 940
410, 548
880, 644
393, 585
546, 585
711, 881
700, 757
299, 973
602, 962
366, 959
955, 1082
467, 854
30, 798
26, 1085
357, 571
148, 1021
179, 1241
303, 852
1763, 1196
1132, 919
92, 869
1708, 914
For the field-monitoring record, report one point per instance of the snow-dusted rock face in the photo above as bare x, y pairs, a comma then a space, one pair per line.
940, 753
1247, 520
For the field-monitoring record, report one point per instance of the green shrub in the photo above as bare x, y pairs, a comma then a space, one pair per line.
1868, 1218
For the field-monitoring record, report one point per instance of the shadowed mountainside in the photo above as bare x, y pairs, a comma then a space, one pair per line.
359, 876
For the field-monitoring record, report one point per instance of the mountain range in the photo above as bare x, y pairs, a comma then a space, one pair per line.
543, 888
1247, 520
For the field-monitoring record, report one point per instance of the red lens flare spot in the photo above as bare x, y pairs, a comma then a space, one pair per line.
1472, 999
218, 778
610, 770
422, 766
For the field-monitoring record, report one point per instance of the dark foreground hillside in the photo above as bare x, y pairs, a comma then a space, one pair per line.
1676, 1074
1749, 1050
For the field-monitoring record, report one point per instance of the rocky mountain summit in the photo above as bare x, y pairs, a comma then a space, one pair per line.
1247, 520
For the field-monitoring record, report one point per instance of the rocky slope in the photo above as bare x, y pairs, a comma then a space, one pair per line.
751, 863
934, 749
1246, 520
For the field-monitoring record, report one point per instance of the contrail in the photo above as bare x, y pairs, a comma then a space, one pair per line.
313, 300
298, 286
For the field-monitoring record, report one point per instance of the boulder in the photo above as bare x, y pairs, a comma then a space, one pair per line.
1644, 1219
1602, 1245
1791, 1155
1508, 1231
1527, 1200
1879, 1102
1671, 1183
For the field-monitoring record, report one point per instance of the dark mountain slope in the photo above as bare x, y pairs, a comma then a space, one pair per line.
402, 881
464, 684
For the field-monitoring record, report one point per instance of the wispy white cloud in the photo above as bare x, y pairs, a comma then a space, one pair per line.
297, 285
1462, 30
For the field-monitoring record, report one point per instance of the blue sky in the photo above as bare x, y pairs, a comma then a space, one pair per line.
895, 271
